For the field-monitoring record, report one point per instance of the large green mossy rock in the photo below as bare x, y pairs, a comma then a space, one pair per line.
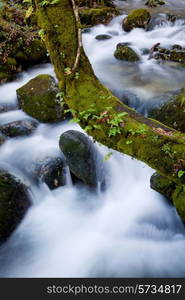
138, 18
124, 52
172, 113
80, 156
14, 203
38, 99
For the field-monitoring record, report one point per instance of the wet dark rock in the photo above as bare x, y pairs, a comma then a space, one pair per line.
38, 99
172, 112
51, 170
175, 54
177, 47
138, 18
19, 128
102, 37
14, 202
81, 157
86, 30
162, 185
124, 52
145, 51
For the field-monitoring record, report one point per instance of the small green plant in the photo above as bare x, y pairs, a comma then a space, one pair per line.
114, 122
77, 75
67, 71
180, 173
62, 54
154, 138
128, 142
27, 2
60, 98
44, 3
107, 156
41, 33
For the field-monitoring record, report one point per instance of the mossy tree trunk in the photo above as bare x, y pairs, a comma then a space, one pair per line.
159, 146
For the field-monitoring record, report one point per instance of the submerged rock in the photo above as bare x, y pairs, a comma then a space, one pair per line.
124, 52
14, 202
4, 107
51, 170
81, 156
38, 99
2, 139
19, 128
102, 37
138, 18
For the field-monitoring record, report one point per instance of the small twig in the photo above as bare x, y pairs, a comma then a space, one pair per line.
77, 18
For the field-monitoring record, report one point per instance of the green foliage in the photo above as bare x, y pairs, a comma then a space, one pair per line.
29, 2
128, 142
107, 156
77, 75
181, 173
115, 121
41, 33
60, 98
45, 3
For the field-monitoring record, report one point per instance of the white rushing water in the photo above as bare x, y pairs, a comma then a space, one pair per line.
127, 230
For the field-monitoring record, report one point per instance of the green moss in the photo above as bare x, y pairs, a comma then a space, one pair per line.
147, 144
172, 113
162, 185
126, 53
38, 99
178, 198
95, 16
138, 18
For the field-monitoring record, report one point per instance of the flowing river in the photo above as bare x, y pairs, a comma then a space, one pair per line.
128, 230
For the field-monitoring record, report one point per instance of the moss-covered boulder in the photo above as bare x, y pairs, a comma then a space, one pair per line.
14, 203
19, 128
162, 185
172, 113
138, 18
81, 156
100, 15
50, 170
124, 52
38, 99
